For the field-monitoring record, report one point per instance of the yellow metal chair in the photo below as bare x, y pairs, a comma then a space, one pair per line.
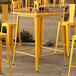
70, 63
3, 35
67, 25
27, 4
9, 25
46, 2
16, 4
61, 2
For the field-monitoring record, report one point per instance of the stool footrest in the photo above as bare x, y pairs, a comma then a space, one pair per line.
52, 49
5, 63
5, 60
25, 53
51, 54
73, 66
25, 49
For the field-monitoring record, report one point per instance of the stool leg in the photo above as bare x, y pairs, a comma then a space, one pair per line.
63, 39
67, 38
8, 34
15, 39
1, 28
8, 55
20, 40
74, 29
12, 36
0, 54
57, 38
71, 57
41, 37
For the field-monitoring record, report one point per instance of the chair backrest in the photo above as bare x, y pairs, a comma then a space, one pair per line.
61, 2
71, 12
5, 12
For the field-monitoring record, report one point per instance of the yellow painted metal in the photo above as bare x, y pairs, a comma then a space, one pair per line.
3, 35
38, 33
52, 49
73, 66
37, 41
27, 4
5, 14
62, 39
19, 38
8, 25
15, 39
26, 53
41, 35
61, 2
40, 2
16, 4
57, 37
70, 63
46, 2
54, 2
25, 49
5, 63
73, 63
67, 25
5, 60
0, 56
36, 5
52, 54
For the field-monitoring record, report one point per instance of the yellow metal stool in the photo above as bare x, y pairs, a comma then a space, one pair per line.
67, 25
3, 35
9, 25
70, 63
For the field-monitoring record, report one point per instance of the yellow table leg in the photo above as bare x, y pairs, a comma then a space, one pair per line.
15, 39
63, 40
0, 55
71, 57
41, 36
37, 41
67, 38
8, 54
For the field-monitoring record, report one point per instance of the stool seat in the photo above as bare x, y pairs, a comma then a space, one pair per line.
3, 35
9, 23
65, 23
10, 31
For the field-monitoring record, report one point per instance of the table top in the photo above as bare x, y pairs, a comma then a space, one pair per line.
42, 14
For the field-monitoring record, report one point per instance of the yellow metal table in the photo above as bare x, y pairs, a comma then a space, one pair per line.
39, 19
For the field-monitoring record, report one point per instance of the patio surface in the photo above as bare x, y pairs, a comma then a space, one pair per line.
52, 65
